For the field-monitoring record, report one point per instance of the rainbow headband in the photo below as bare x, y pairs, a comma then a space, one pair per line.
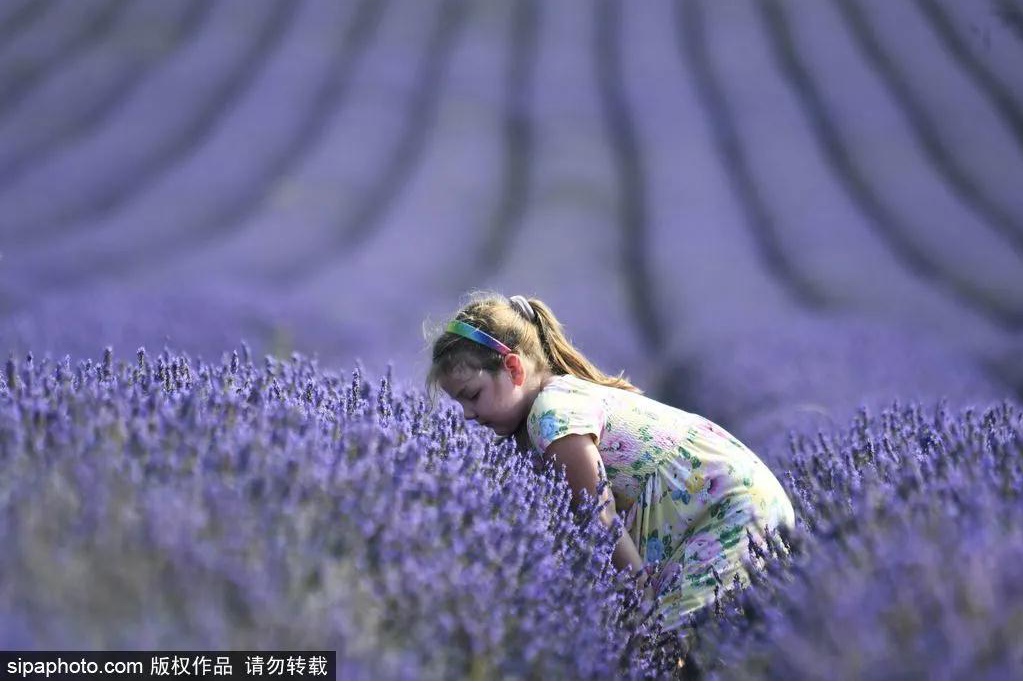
478, 335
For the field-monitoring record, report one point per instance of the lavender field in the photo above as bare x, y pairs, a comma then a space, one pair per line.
224, 224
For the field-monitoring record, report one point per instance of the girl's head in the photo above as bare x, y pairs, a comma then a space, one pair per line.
494, 386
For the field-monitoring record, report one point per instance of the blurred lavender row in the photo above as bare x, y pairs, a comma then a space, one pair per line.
696, 167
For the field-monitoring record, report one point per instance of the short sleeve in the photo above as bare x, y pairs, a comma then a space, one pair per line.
560, 411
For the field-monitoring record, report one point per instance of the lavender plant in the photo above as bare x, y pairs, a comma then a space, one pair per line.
167, 503
200, 320
812, 374
907, 561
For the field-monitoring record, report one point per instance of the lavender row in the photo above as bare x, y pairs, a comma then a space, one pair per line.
834, 175
201, 173
340, 168
276, 504
745, 241
201, 319
812, 374
75, 99
973, 159
806, 204
62, 32
161, 122
566, 243
267, 128
16, 15
439, 258
906, 562
991, 48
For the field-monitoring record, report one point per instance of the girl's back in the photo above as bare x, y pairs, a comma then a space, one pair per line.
690, 489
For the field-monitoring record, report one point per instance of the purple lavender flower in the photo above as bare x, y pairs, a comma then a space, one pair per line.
281, 506
906, 561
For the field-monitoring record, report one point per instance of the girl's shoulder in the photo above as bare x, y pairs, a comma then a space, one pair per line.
567, 392
566, 405
571, 392
569, 383
564, 390
568, 387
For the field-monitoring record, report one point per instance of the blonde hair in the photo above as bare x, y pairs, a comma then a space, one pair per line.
542, 341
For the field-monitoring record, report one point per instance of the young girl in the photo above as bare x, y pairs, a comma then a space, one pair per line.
689, 489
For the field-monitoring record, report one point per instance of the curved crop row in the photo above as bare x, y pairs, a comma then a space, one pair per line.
813, 374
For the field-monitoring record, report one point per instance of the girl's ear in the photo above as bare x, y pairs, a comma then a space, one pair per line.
513, 363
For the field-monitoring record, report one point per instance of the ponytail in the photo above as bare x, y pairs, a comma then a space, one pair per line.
563, 358
538, 336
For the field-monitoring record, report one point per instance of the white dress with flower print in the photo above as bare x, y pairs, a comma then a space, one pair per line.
689, 489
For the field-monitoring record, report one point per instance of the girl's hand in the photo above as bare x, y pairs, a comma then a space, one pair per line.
648, 584
654, 578
649, 595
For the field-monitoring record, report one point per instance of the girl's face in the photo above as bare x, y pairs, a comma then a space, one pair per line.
498, 401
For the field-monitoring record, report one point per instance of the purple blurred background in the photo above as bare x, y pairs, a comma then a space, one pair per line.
767, 211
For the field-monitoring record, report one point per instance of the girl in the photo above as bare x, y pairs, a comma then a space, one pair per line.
690, 491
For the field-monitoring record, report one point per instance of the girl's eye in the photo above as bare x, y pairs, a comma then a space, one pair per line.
477, 395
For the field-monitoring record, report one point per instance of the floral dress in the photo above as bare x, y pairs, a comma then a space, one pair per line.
690, 490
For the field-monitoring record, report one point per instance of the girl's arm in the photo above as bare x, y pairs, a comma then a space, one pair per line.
626, 556
579, 455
